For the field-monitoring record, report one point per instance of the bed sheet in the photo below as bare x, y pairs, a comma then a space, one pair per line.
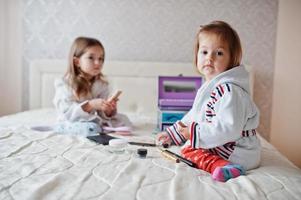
45, 165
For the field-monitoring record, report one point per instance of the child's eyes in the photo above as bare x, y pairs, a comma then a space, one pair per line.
204, 52
216, 53
92, 58
219, 53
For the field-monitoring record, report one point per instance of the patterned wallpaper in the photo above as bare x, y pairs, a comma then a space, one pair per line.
152, 30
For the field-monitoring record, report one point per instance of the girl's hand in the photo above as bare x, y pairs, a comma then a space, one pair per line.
183, 129
112, 109
114, 104
163, 138
185, 132
97, 104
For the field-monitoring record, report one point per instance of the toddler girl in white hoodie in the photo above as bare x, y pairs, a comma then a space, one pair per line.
219, 131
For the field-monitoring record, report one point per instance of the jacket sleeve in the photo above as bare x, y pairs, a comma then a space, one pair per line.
231, 109
66, 105
175, 135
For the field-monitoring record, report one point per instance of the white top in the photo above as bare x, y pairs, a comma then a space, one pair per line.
70, 109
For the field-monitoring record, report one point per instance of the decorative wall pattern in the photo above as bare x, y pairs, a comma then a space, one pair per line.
152, 30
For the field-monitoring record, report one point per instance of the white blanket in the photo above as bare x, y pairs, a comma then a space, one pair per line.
45, 165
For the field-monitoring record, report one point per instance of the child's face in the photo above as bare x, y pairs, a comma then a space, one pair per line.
91, 61
213, 56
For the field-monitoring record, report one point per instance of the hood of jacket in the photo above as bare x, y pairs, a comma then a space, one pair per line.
238, 76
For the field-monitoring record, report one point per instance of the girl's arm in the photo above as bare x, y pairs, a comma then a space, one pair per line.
87, 107
104, 107
99, 105
111, 109
176, 133
67, 106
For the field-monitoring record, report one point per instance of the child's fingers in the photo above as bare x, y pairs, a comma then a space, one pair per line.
163, 139
166, 140
113, 105
114, 101
106, 107
160, 139
161, 136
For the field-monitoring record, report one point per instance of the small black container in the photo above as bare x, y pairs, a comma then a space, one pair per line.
142, 152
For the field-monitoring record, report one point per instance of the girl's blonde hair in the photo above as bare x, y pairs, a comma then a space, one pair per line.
227, 34
74, 76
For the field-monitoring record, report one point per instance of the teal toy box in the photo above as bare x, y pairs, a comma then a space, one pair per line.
167, 118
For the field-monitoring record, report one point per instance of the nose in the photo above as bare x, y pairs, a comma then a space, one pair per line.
97, 62
209, 57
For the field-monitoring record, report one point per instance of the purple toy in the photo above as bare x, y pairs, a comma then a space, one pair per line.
177, 92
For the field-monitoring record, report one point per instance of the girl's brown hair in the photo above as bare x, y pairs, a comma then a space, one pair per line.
74, 76
227, 34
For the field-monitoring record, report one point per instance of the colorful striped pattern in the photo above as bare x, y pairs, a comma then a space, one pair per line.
215, 95
225, 150
175, 135
248, 133
193, 133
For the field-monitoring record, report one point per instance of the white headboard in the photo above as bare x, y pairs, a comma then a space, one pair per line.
137, 80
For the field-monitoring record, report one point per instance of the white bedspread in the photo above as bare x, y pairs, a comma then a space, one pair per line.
45, 165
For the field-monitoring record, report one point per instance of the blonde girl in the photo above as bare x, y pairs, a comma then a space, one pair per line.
82, 94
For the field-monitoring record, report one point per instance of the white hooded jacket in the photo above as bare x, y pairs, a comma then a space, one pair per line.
223, 119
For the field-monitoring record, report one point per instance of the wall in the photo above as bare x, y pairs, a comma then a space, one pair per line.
10, 56
148, 30
286, 112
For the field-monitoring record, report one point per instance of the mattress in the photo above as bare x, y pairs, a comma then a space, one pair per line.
46, 165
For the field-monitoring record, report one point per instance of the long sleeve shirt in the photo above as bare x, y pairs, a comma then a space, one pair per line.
70, 109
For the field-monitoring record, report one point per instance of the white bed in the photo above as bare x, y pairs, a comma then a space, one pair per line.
45, 165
